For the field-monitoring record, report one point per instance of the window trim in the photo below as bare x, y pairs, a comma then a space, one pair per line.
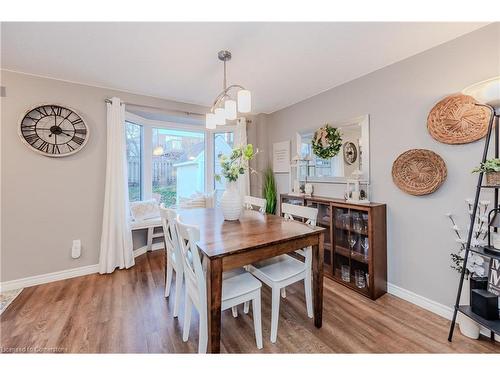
141, 167
147, 136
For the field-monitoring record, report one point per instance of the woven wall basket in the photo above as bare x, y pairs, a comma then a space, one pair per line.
419, 172
456, 120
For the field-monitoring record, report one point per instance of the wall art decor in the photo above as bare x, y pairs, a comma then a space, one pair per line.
53, 130
281, 157
494, 277
326, 142
350, 152
419, 171
457, 119
337, 169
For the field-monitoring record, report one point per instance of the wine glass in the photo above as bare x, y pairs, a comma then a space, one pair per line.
365, 244
346, 221
352, 242
356, 225
365, 223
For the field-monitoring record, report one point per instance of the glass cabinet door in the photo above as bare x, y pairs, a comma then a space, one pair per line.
351, 247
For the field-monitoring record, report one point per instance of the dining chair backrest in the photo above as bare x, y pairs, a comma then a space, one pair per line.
168, 221
292, 211
310, 215
156, 197
189, 235
249, 202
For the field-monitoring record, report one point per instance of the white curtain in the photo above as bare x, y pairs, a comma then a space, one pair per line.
240, 139
116, 237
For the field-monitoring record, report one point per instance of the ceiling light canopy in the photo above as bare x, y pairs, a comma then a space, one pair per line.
226, 106
487, 92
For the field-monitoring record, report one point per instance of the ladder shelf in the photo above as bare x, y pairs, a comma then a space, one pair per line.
492, 325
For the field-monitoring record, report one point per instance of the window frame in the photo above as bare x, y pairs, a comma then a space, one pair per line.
141, 159
147, 148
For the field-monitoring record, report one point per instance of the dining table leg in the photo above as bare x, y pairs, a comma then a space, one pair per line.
317, 267
214, 297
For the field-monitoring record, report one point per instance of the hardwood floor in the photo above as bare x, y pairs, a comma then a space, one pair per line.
126, 312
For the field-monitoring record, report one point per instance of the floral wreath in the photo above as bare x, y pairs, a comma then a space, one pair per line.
326, 142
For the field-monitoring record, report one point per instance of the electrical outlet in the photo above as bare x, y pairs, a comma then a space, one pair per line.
76, 249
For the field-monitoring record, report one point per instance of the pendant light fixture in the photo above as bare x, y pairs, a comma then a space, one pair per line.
226, 106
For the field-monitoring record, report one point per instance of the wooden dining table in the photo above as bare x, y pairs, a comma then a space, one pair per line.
227, 245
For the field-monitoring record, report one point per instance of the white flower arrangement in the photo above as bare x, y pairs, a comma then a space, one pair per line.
479, 234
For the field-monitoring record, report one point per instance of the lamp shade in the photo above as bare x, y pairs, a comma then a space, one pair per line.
220, 116
230, 109
244, 101
486, 92
210, 121
158, 151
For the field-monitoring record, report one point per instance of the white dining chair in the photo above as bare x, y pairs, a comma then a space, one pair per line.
173, 255
250, 202
283, 270
237, 287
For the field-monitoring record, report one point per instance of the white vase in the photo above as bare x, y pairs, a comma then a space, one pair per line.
468, 327
230, 202
308, 189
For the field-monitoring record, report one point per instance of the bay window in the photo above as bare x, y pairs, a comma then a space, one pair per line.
169, 161
133, 133
223, 145
178, 165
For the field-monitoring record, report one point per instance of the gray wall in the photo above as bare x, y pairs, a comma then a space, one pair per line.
48, 202
398, 99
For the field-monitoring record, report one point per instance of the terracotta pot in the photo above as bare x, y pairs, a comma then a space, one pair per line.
493, 178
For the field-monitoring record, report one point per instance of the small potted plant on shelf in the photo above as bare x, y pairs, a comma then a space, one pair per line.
491, 168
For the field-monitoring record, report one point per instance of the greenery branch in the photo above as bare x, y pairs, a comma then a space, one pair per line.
489, 166
236, 164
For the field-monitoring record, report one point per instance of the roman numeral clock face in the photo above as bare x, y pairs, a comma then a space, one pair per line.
54, 131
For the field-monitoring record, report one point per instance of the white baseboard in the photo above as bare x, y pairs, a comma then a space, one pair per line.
428, 304
63, 275
416, 299
424, 302
48, 277
144, 249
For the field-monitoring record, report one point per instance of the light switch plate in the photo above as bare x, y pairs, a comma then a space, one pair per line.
76, 249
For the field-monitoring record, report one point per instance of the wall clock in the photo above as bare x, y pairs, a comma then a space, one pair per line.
53, 130
350, 152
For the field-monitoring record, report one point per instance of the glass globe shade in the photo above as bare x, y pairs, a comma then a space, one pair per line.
244, 101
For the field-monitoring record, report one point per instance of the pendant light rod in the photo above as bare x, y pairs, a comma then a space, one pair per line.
224, 85
224, 56
223, 94
226, 106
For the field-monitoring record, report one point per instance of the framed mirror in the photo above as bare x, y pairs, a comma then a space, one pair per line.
354, 154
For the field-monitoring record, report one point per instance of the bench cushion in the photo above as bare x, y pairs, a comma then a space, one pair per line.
142, 224
144, 210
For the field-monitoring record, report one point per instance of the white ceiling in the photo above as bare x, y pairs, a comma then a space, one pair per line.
281, 63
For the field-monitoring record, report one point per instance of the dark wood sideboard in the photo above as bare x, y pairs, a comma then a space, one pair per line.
346, 223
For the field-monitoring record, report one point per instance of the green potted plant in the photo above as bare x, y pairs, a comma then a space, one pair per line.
269, 190
491, 168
